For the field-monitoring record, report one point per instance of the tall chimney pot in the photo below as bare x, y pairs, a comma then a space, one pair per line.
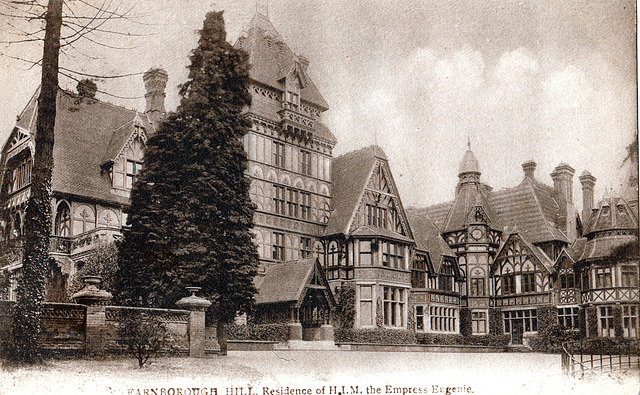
588, 182
529, 168
155, 82
562, 177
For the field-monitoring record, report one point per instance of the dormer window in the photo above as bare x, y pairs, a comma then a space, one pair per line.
127, 166
292, 94
293, 98
133, 168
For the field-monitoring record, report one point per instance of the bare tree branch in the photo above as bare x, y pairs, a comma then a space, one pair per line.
31, 62
101, 91
100, 76
71, 23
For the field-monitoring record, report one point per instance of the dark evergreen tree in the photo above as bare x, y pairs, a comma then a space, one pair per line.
191, 215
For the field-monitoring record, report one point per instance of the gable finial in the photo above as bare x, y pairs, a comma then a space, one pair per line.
262, 8
469, 140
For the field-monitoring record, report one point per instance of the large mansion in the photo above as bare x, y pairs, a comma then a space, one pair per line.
504, 261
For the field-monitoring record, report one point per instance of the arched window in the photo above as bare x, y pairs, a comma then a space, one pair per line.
63, 220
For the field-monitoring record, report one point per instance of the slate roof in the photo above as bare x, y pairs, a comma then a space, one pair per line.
470, 195
531, 209
427, 238
603, 247
349, 176
271, 58
577, 248
611, 213
437, 213
469, 163
285, 282
87, 133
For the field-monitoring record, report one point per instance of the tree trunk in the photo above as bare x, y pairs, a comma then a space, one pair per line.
221, 333
35, 262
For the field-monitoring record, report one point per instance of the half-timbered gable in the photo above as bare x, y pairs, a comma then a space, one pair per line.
436, 279
521, 268
368, 238
566, 286
522, 281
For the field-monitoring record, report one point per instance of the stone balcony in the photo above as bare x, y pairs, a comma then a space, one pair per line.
69, 245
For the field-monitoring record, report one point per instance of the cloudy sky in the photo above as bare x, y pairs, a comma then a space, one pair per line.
553, 81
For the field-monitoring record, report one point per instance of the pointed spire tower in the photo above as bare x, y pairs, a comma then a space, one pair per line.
262, 8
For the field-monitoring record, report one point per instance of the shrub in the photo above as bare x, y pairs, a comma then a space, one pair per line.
550, 338
455, 339
438, 338
143, 335
603, 345
377, 336
345, 299
265, 332
103, 262
465, 321
487, 340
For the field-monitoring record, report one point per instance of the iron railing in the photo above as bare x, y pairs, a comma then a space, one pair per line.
595, 356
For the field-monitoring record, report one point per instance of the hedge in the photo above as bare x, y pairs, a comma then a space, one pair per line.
265, 332
377, 336
455, 339
603, 345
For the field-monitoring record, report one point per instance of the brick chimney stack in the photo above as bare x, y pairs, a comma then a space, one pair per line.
588, 183
529, 168
562, 177
155, 82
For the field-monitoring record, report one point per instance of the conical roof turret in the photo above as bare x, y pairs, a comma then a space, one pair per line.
469, 163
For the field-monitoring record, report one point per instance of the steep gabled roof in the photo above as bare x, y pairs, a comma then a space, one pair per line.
87, 132
437, 213
576, 249
469, 197
349, 176
271, 58
286, 282
531, 208
427, 238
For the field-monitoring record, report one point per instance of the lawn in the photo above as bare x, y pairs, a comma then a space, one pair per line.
314, 373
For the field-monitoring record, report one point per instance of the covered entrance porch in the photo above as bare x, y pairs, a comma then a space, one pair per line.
297, 293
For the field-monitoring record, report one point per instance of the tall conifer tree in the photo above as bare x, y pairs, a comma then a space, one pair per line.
191, 215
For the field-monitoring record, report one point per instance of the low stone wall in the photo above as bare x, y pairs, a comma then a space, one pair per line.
65, 327
176, 322
251, 345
